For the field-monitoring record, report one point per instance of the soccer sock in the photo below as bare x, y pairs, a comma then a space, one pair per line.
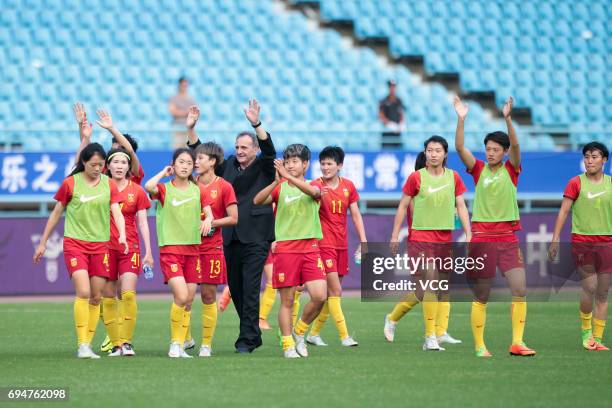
478, 320
586, 320
300, 328
430, 309
320, 320
109, 317
209, 322
598, 330
177, 334
403, 307
442, 318
81, 318
518, 313
267, 301
287, 342
130, 310
188, 332
335, 309
92, 323
186, 325
120, 318
296, 307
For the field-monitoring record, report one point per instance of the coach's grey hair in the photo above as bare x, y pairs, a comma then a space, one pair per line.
252, 136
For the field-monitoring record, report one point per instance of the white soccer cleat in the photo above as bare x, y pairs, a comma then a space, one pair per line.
175, 350
447, 338
349, 342
300, 345
315, 340
205, 351
127, 350
85, 351
431, 344
183, 354
389, 329
291, 353
189, 344
116, 351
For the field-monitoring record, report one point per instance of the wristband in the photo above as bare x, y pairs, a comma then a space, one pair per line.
257, 125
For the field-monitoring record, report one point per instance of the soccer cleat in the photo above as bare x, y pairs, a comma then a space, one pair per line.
316, 340
189, 344
389, 329
85, 351
348, 341
263, 324
521, 350
447, 338
598, 346
175, 350
224, 299
431, 344
106, 345
183, 354
115, 351
205, 351
291, 353
127, 350
300, 345
483, 352
587, 339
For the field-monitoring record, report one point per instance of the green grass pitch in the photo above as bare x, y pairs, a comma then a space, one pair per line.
38, 349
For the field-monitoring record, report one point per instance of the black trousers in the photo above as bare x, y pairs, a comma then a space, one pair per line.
245, 264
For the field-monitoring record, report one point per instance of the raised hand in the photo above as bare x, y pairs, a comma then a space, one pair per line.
168, 171
106, 120
460, 107
507, 109
280, 168
79, 112
192, 117
252, 111
86, 129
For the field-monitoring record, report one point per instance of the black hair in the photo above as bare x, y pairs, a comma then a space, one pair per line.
298, 150
421, 160
212, 150
86, 154
130, 139
498, 137
589, 147
108, 160
334, 153
191, 154
183, 78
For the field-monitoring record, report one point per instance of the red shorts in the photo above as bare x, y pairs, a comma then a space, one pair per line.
295, 269
270, 258
187, 266
434, 254
214, 271
501, 252
597, 256
335, 260
94, 264
121, 263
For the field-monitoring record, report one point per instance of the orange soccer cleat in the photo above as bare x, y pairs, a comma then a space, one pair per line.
521, 350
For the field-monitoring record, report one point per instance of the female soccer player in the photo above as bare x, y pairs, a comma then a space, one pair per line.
589, 197
89, 198
179, 229
436, 193
495, 220
125, 268
297, 260
338, 195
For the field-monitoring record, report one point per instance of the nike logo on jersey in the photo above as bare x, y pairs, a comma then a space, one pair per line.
489, 180
434, 190
177, 203
85, 199
591, 195
291, 199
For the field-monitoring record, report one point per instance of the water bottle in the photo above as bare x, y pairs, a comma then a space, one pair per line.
212, 231
148, 272
358, 257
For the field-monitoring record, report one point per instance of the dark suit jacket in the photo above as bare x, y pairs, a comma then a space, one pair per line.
255, 222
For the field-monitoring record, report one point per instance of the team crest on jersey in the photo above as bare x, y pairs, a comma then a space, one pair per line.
329, 263
174, 268
73, 262
213, 194
281, 277
131, 198
346, 192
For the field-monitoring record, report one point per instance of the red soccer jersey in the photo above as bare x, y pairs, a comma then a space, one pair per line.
137, 178
495, 228
133, 199
179, 249
333, 212
572, 191
64, 195
411, 188
221, 195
